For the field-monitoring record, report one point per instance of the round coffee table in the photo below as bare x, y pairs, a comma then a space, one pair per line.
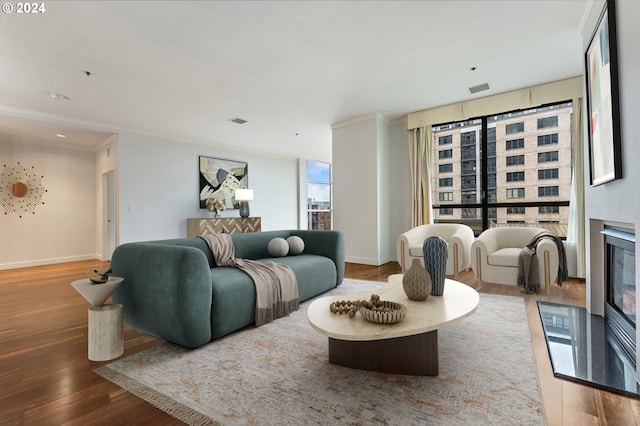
407, 347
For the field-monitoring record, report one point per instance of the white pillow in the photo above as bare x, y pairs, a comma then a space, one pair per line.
278, 247
296, 245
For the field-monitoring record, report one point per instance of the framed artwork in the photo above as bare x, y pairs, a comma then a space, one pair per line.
219, 178
605, 153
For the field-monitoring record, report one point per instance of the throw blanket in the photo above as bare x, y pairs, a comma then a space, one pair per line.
276, 284
528, 263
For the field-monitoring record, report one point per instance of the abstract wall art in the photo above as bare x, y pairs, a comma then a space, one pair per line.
602, 100
219, 178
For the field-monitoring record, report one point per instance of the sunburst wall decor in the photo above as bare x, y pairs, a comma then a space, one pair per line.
21, 190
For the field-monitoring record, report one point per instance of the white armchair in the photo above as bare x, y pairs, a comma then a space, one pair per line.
496, 251
458, 237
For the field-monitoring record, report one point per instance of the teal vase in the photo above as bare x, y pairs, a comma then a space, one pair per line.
434, 250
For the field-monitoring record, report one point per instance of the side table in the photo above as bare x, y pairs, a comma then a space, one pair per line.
106, 339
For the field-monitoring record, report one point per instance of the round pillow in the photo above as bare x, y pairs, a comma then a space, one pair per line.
296, 245
278, 247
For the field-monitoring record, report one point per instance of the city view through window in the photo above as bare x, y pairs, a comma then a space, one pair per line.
319, 195
511, 169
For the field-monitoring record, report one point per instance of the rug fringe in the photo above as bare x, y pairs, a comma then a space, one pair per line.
157, 399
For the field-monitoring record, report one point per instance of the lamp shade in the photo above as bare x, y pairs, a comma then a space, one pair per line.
244, 194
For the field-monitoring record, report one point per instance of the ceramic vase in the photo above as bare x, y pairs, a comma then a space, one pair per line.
435, 254
416, 282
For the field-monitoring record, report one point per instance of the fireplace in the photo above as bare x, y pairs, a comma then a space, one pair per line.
620, 289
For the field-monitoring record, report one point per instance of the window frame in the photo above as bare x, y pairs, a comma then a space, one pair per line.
329, 183
489, 203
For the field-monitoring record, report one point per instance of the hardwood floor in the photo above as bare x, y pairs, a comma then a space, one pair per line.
46, 378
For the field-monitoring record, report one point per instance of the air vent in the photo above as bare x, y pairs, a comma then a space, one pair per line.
237, 120
479, 88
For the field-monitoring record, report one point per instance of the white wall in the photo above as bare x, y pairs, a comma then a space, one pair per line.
63, 229
158, 187
371, 187
157, 178
618, 201
355, 192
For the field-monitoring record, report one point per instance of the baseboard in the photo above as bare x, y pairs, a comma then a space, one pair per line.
363, 260
40, 262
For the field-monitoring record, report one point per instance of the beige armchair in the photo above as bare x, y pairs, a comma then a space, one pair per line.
496, 251
458, 237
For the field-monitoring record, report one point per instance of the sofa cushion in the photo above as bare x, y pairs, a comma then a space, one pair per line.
505, 257
315, 274
233, 301
278, 247
296, 245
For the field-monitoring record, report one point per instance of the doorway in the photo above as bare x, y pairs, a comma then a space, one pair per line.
110, 238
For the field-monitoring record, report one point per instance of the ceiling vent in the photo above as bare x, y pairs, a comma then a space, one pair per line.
237, 120
479, 88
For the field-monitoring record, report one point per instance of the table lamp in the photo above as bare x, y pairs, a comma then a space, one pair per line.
244, 196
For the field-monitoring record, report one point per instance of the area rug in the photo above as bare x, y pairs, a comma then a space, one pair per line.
279, 374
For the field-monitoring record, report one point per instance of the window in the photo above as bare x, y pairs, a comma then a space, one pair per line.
514, 144
445, 168
445, 153
515, 192
468, 138
445, 196
319, 208
515, 160
544, 157
515, 210
548, 191
514, 128
548, 139
468, 153
445, 140
484, 195
515, 176
547, 174
469, 182
547, 122
548, 209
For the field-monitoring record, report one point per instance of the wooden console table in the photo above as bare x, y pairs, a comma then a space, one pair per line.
226, 225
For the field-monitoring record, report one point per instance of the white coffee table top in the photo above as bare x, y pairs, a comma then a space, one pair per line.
458, 302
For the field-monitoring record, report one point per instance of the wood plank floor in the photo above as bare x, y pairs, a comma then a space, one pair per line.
46, 378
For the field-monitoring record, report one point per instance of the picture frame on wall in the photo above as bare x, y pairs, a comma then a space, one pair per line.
601, 60
219, 178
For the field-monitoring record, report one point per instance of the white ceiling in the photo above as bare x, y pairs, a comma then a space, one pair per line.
291, 68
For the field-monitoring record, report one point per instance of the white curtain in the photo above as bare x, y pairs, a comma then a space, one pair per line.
576, 231
420, 163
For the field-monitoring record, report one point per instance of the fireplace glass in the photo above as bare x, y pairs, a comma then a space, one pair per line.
620, 273
623, 282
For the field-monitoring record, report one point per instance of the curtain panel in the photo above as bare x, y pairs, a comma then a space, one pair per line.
576, 231
420, 163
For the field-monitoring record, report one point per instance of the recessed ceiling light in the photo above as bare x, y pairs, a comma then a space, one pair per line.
237, 120
59, 96
61, 135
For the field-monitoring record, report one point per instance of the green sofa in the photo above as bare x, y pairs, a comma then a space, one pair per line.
173, 290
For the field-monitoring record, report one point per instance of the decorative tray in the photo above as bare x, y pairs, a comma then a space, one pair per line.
387, 313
